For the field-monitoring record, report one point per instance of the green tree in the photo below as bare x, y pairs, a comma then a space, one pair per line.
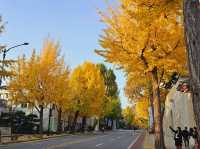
111, 101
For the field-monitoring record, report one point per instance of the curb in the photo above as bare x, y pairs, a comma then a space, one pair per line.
138, 142
42, 139
33, 140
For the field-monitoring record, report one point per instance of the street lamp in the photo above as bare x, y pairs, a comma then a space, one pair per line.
6, 50
2, 68
4, 56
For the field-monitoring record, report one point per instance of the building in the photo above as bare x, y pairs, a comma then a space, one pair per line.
178, 110
4, 107
3, 100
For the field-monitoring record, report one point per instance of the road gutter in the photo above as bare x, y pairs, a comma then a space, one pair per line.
42, 139
35, 140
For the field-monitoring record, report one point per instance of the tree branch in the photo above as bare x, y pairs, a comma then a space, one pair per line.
161, 76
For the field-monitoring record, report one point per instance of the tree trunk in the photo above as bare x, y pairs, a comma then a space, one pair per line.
111, 123
69, 122
49, 123
107, 121
96, 124
159, 138
41, 119
150, 89
83, 123
12, 124
192, 36
74, 121
59, 128
0, 137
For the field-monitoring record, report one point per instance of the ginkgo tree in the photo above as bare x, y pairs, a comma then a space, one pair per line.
37, 79
128, 116
141, 112
144, 35
61, 94
88, 91
138, 84
139, 93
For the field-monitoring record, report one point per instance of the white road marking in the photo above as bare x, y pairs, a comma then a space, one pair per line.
130, 146
118, 137
99, 144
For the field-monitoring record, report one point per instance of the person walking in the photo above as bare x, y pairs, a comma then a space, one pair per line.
196, 138
191, 138
177, 137
185, 134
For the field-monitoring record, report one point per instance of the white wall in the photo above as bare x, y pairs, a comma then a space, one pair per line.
178, 112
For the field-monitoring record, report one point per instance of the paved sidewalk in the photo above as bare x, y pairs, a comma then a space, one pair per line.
138, 142
149, 141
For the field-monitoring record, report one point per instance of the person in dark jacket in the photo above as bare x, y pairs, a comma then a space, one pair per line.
177, 137
185, 134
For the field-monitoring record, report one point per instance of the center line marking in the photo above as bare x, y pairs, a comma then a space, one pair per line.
99, 144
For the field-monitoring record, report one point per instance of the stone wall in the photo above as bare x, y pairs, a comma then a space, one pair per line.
5, 131
178, 112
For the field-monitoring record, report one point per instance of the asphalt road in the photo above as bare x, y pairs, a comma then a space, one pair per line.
108, 140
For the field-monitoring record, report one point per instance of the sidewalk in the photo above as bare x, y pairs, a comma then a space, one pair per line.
148, 141
138, 142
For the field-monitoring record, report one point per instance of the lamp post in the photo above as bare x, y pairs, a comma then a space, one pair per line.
1, 77
4, 56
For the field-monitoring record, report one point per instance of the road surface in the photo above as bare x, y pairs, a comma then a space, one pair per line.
109, 140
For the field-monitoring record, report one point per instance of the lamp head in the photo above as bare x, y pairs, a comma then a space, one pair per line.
26, 43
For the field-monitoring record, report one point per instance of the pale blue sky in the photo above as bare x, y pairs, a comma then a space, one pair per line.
75, 23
